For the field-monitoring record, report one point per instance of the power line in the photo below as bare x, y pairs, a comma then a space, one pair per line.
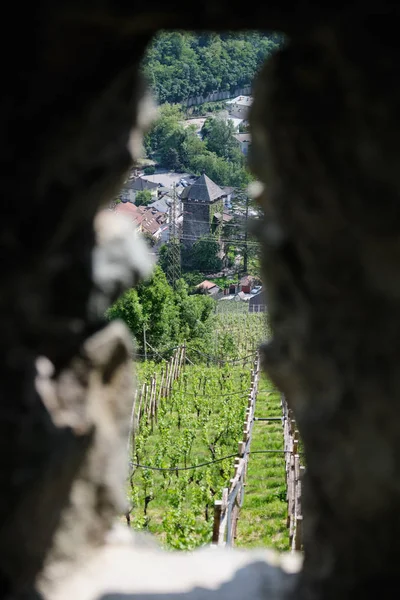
209, 356
221, 360
211, 241
211, 462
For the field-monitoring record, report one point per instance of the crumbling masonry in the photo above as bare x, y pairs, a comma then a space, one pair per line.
325, 127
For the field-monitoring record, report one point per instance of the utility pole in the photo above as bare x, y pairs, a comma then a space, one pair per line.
174, 249
245, 249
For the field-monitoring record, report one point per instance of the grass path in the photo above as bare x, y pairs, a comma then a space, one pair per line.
262, 520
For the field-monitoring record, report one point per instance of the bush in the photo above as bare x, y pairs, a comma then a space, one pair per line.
149, 170
143, 198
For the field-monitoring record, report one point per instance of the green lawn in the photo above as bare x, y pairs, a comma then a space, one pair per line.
262, 520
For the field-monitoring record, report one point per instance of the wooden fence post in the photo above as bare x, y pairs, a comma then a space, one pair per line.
140, 404
217, 521
132, 425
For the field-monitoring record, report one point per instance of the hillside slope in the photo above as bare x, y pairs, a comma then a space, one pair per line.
179, 65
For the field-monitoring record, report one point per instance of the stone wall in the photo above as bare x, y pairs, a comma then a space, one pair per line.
196, 221
325, 136
217, 96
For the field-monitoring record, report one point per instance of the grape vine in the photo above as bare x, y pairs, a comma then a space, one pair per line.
200, 421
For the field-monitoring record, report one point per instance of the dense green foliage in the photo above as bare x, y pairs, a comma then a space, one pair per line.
203, 256
201, 421
236, 332
180, 148
218, 133
179, 65
166, 316
143, 198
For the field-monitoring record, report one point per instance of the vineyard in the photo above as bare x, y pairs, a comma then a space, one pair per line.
238, 334
199, 422
184, 451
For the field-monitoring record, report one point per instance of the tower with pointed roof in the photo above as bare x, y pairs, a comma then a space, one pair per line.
203, 208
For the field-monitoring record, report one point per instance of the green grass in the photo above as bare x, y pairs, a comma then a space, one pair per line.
262, 520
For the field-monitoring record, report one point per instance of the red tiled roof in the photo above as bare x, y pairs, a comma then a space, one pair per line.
206, 284
130, 211
147, 218
247, 280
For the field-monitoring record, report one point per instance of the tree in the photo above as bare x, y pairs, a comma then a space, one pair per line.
172, 160
181, 149
218, 134
164, 128
169, 316
163, 256
162, 317
204, 255
143, 198
178, 65
150, 306
129, 309
194, 312
193, 278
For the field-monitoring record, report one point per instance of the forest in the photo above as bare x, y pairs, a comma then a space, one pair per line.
179, 65
178, 148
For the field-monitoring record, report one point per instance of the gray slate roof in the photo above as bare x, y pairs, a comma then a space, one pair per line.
160, 205
203, 190
143, 184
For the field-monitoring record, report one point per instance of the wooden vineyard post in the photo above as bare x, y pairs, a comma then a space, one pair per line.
132, 425
160, 393
140, 404
146, 398
176, 362
149, 400
232, 499
296, 545
217, 521
165, 389
183, 355
153, 399
241, 449
170, 375
234, 518
294, 472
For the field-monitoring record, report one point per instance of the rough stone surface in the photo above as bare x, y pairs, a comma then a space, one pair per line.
128, 569
325, 144
325, 120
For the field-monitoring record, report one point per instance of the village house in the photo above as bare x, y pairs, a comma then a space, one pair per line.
135, 185
244, 141
203, 207
148, 220
239, 107
141, 184
162, 204
208, 287
258, 302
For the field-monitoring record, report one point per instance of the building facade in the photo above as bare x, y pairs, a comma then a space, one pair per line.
202, 203
258, 303
239, 107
